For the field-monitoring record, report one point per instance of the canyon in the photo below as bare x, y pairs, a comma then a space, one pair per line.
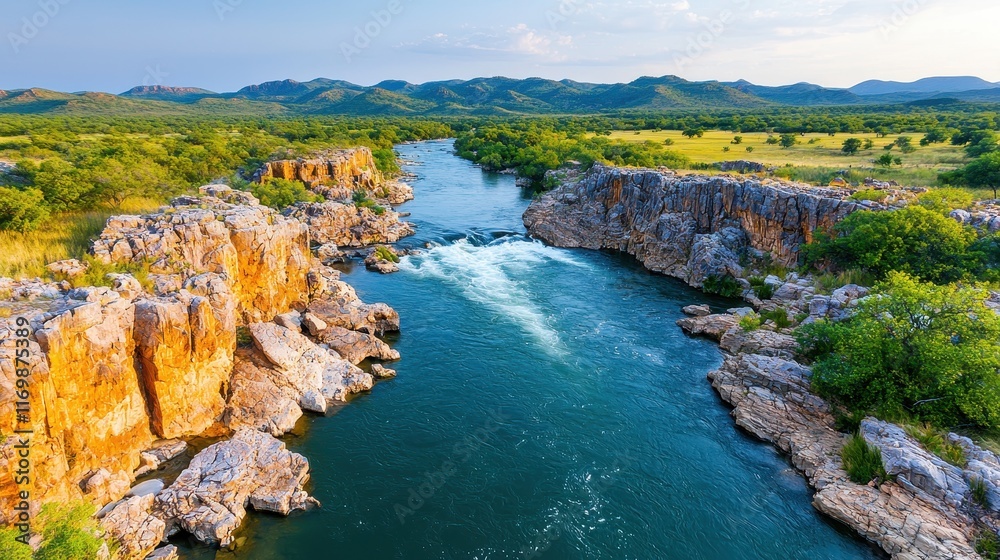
229, 331
695, 227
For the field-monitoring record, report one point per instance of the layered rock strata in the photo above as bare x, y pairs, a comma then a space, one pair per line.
926, 512
338, 174
689, 227
118, 374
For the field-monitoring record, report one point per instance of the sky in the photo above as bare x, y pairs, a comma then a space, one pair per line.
223, 45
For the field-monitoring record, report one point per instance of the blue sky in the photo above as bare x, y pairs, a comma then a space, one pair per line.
222, 45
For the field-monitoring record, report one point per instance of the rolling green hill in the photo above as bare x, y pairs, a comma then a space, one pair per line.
479, 96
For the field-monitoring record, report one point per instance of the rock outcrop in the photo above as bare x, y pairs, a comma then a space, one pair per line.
210, 498
347, 225
113, 370
689, 227
263, 256
923, 514
337, 175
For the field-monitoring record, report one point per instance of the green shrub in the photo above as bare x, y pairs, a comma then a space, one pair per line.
750, 322
725, 286
282, 193
69, 533
944, 199
870, 194
913, 350
361, 200
980, 494
988, 545
10, 548
21, 210
386, 254
936, 442
848, 422
819, 339
863, 462
778, 316
915, 240
761, 288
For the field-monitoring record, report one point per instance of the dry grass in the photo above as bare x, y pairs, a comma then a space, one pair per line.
67, 236
817, 158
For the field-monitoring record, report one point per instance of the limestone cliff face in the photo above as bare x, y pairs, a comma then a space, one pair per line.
262, 256
87, 402
346, 225
114, 369
355, 167
689, 227
337, 174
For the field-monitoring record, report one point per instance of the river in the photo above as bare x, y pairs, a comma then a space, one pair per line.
546, 407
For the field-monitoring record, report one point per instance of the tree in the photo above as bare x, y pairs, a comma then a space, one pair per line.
984, 172
749, 149
914, 350
905, 144
694, 132
282, 193
869, 144
21, 210
788, 140
885, 160
851, 146
921, 242
737, 140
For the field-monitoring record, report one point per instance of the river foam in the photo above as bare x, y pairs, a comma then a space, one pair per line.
496, 274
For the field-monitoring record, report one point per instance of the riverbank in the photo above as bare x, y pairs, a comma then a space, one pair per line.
702, 229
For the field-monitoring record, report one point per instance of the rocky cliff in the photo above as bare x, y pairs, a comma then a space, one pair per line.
689, 227
337, 175
115, 370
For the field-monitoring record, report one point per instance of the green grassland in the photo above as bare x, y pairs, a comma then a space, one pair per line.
816, 158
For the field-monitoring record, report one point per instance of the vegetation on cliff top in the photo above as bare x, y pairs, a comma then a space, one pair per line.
913, 350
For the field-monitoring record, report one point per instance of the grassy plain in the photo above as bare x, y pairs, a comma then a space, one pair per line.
817, 158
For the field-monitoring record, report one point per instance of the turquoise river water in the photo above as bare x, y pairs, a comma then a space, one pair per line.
546, 407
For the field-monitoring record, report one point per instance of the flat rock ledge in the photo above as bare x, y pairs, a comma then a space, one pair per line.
210, 498
925, 513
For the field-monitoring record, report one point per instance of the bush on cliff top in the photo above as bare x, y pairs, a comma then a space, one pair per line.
913, 350
282, 193
921, 242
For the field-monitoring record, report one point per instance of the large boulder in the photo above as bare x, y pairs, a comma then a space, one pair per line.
210, 498
317, 375
133, 529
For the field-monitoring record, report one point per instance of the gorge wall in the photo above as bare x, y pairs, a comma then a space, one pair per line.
337, 174
115, 371
688, 227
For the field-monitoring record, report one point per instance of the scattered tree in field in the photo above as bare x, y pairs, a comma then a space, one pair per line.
788, 140
725, 148
936, 136
772, 141
984, 172
905, 144
869, 144
887, 160
694, 132
749, 149
737, 140
851, 146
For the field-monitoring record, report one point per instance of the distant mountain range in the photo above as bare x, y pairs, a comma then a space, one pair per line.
488, 96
